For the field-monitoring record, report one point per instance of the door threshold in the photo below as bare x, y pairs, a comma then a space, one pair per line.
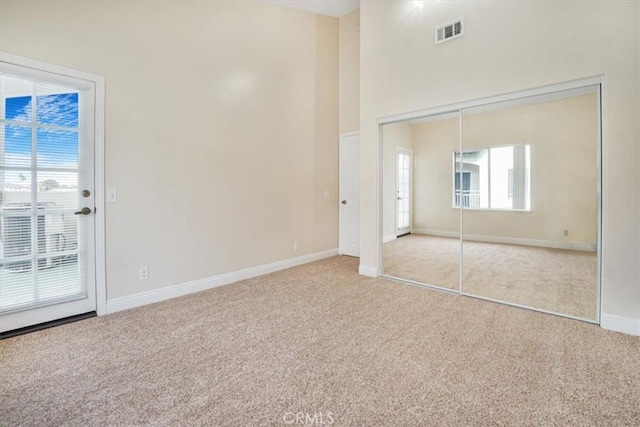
46, 325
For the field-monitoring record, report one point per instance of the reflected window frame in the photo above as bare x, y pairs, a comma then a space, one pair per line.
476, 198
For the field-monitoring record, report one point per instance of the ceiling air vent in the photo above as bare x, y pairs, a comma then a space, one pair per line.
450, 30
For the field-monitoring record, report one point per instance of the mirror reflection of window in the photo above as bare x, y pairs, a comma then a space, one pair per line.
493, 178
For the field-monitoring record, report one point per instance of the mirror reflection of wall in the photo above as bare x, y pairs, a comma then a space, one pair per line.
523, 182
531, 239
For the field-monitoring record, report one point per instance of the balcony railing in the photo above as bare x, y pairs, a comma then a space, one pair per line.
469, 198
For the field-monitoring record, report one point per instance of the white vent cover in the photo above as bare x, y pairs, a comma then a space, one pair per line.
450, 30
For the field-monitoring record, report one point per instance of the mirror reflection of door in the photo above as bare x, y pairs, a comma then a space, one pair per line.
430, 254
403, 192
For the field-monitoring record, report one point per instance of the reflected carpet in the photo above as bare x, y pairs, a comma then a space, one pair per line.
556, 280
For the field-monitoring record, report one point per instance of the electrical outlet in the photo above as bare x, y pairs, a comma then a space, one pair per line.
566, 233
144, 273
295, 245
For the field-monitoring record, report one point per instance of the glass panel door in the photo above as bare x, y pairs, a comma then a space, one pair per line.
46, 161
403, 192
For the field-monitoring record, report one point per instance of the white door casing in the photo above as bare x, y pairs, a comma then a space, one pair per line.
349, 217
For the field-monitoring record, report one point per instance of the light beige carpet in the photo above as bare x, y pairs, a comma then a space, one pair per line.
425, 259
321, 338
555, 280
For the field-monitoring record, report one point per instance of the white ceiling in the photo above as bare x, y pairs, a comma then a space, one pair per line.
335, 8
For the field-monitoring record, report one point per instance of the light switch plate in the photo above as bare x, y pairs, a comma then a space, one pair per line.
112, 196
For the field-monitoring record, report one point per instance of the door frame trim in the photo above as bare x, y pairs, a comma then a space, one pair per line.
99, 161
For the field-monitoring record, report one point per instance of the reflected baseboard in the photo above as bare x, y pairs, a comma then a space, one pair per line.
388, 238
586, 247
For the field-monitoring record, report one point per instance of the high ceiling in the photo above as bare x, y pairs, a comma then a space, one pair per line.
335, 8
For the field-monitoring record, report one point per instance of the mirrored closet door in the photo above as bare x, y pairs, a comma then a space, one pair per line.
421, 226
498, 200
530, 221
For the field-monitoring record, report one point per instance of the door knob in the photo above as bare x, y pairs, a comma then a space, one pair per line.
344, 202
83, 211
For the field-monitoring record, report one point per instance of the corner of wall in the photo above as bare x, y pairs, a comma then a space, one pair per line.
368, 271
349, 72
624, 325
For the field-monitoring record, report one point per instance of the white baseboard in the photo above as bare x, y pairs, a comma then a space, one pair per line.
437, 233
587, 247
626, 325
157, 295
389, 238
368, 271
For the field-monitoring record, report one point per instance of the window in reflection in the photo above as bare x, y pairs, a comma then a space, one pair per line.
537, 155
493, 178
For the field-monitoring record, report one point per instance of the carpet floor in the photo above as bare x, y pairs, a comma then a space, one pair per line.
556, 280
321, 339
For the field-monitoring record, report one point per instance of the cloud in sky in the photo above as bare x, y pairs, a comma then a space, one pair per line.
18, 108
58, 109
56, 148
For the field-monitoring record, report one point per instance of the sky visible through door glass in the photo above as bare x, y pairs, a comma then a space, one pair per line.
56, 135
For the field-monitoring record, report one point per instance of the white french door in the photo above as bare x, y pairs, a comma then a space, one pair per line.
47, 226
403, 191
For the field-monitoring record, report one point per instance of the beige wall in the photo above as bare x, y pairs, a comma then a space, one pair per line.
397, 135
562, 135
221, 128
510, 46
433, 146
350, 72
563, 139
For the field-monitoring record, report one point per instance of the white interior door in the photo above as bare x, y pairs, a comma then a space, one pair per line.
47, 226
403, 191
350, 195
